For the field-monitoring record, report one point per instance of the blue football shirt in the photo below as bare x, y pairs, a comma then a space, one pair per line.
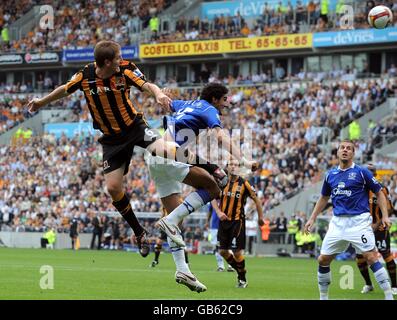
349, 189
195, 115
214, 221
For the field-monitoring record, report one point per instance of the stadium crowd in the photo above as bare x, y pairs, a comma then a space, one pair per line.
13, 97
277, 19
81, 25
45, 182
50, 184
12, 112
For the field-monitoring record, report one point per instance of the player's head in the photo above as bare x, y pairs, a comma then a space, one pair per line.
371, 168
216, 94
107, 54
346, 151
233, 167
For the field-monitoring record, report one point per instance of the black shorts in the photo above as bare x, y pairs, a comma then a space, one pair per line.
73, 234
231, 235
163, 236
118, 149
382, 240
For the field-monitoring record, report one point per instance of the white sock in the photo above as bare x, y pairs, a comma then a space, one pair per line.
179, 257
324, 280
382, 278
191, 203
219, 260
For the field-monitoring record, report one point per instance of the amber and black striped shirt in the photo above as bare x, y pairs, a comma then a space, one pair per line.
108, 100
234, 197
374, 208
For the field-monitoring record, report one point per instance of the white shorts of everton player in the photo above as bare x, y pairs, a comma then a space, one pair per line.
343, 230
167, 174
213, 236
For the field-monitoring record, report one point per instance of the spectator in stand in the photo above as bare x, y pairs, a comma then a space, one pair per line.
280, 72
281, 227
273, 237
392, 72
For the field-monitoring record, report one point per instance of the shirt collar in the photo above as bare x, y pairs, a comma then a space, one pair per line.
352, 166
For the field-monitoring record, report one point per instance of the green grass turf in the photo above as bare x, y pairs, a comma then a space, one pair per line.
102, 274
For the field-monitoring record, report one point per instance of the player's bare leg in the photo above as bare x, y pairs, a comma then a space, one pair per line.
168, 149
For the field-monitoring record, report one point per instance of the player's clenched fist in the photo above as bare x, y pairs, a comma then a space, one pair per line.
164, 101
34, 105
308, 226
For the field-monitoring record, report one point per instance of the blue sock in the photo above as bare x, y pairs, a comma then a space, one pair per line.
376, 266
323, 269
204, 194
192, 202
382, 278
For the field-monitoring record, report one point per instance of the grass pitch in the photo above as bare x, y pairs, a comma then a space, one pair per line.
102, 274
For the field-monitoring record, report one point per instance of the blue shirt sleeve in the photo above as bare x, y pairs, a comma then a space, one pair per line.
176, 105
326, 189
370, 181
212, 119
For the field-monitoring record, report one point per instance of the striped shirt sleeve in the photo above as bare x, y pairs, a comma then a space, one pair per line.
74, 83
251, 190
134, 76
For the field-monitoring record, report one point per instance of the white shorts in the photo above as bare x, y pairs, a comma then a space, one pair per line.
214, 237
344, 230
167, 174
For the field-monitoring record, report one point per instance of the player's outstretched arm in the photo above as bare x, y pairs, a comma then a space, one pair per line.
252, 195
222, 216
35, 104
259, 209
234, 149
169, 93
383, 205
320, 205
161, 98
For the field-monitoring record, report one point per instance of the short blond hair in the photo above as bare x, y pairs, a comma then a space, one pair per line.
349, 141
105, 50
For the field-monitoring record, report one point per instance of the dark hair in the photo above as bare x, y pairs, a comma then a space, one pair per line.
349, 141
213, 90
105, 49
